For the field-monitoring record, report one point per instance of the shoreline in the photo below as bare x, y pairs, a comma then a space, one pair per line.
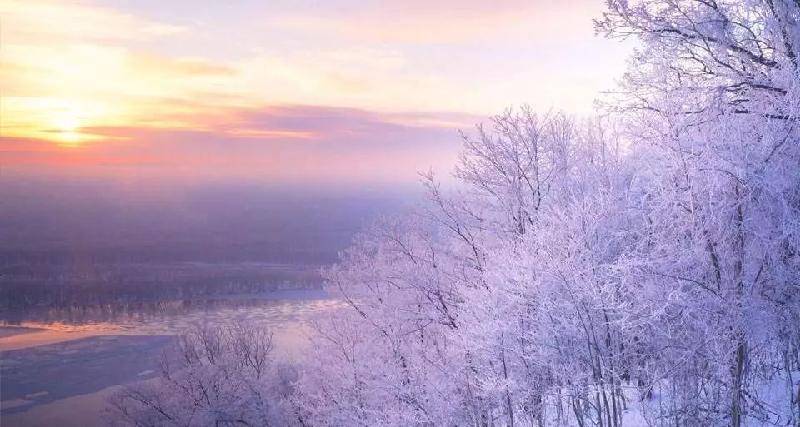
34, 337
11, 331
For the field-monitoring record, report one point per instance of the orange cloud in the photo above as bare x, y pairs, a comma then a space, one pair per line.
299, 144
179, 67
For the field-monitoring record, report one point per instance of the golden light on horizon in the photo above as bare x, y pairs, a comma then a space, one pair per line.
66, 127
57, 120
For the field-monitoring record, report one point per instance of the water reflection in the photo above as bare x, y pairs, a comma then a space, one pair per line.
174, 316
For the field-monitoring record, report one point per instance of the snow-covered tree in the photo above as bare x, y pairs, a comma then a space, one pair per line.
214, 375
712, 101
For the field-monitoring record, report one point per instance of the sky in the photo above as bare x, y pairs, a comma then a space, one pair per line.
295, 92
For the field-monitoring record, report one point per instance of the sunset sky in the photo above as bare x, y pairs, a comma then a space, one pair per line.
280, 91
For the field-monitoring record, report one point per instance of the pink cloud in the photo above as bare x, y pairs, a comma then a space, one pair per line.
278, 143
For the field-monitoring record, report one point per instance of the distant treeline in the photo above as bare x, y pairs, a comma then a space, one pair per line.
30, 286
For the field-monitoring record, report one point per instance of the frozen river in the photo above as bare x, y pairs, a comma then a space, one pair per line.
59, 369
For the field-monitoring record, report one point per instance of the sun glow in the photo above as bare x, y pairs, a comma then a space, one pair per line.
66, 127
63, 121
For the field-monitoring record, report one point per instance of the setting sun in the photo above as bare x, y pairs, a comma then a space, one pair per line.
55, 120
66, 127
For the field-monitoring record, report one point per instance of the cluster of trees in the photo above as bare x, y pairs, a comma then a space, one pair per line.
640, 268
224, 375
